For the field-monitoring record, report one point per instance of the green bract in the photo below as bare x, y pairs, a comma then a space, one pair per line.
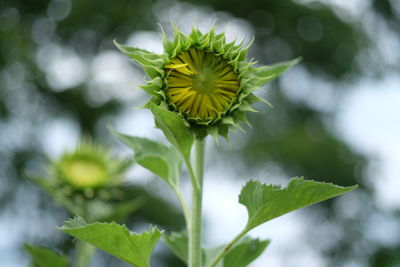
204, 79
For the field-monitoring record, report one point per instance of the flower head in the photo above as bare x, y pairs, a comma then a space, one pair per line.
200, 84
204, 79
86, 178
88, 166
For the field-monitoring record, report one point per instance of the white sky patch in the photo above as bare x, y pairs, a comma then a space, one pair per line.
300, 85
9, 243
382, 229
369, 120
63, 67
203, 18
287, 237
238, 29
225, 216
347, 10
138, 122
59, 135
389, 41
386, 180
189, 15
148, 40
13, 134
370, 117
114, 77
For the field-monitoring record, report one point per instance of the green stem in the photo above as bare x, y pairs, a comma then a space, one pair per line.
192, 175
195, 255
84, 253
222, 253
182, 201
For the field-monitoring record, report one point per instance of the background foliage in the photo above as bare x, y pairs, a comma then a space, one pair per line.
61, 77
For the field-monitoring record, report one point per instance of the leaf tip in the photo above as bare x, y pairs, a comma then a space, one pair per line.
75, 222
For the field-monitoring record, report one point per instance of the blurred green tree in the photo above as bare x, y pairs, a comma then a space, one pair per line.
293, 135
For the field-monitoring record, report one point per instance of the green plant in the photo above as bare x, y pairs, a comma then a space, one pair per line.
87, 182
200, 86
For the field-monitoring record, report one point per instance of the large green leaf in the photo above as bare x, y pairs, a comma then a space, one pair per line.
266, 202
174, 129
116, 240
268, 73
242, 254
160, 159
44, 257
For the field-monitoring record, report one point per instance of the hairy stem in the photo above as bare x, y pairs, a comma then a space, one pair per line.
182, 201
195, 183
197, 195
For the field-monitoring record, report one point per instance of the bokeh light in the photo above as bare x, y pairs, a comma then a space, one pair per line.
336, 118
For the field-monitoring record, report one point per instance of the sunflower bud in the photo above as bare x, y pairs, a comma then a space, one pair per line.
204, 79
88, 166
87, 181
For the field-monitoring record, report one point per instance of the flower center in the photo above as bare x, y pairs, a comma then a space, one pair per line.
83, 173
201, 85
204, 82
